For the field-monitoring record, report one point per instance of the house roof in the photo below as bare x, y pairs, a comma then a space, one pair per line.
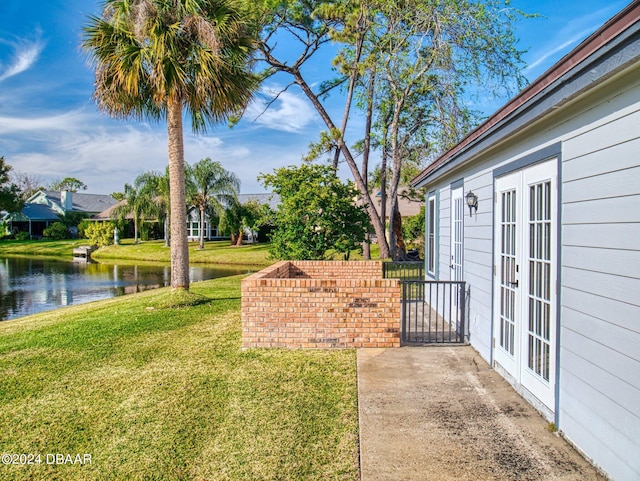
107, 214
406, 206
35, 212
90, 203
264, 198
598, 57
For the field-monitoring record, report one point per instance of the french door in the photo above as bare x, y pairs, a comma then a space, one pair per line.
525, 277
457, 212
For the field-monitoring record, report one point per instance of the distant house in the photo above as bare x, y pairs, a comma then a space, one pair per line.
211, 231
45, 207
550, 246
406, 206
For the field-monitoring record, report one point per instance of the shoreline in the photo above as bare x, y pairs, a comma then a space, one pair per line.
215, 252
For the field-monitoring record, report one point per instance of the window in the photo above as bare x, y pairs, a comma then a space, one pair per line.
431, 234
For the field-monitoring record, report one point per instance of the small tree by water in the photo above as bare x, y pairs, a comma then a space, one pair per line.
318, 214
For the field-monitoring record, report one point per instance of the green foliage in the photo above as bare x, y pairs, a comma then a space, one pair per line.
203, 49
238, 217
317, 213
23, 235
138, 204
154, 185
410, 66
100, 233
68, 183
10, 198
413, 229
210, 187
82, 226
72, 219
56, 231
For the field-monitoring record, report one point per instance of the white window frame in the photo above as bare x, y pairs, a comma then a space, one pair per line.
431, 235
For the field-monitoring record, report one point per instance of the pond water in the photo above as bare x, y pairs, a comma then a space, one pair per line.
31, 285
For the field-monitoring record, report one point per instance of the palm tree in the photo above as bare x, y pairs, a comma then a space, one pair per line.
156, 184
156, 59
211, 188
137, 204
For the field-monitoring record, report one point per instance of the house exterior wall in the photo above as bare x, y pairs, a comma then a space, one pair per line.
600, 308
193, 226
598, 384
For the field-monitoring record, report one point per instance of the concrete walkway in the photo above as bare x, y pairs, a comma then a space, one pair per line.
441, 413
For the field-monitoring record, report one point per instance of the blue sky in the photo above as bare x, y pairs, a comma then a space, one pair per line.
50, 127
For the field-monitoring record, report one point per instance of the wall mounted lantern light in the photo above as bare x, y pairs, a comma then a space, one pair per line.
472, 202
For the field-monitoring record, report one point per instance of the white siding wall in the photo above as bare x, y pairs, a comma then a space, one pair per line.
600, 301
478, 265
599, 377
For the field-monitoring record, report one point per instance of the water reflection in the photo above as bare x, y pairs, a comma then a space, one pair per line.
31, 285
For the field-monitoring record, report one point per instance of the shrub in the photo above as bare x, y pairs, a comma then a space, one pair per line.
23, 235
413, 229
82, 226
56, 231
99, 233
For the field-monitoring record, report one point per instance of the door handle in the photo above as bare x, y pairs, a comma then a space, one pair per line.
514, 284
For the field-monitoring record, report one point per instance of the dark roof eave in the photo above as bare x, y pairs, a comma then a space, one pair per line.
610, 30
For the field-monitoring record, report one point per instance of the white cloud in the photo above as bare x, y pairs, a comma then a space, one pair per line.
568, 37
105, 154
571, 41
25, 54
44, 124
288, 113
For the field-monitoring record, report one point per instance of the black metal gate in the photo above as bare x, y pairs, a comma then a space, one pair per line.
433, 312
409, 270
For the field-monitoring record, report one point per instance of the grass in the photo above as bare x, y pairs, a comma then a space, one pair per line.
215, 252
48, 248
154, 386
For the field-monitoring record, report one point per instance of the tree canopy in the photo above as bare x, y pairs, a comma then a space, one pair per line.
412, 67
211, 189
68, 183
317, 215
10, 198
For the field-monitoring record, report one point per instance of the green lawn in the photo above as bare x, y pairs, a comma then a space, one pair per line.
218, 252
215, 252
49, 248
154, 386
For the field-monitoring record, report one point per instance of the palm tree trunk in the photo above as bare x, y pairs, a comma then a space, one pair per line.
202, 228
179, 246
166, 229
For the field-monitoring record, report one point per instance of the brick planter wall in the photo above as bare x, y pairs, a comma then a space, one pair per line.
318, 304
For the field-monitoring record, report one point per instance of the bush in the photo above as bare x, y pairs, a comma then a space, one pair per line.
316, 215
100, 233
81, 228
413, 229
56, 231
23, 235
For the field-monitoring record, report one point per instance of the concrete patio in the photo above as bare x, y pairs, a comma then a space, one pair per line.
441, 413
